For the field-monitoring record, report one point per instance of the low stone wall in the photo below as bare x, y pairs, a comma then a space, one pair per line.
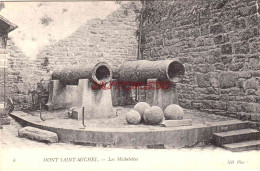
218, 42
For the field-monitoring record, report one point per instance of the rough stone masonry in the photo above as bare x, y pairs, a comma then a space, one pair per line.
217, 40
111, 40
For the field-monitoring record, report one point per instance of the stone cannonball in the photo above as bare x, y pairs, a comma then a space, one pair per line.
173, 112
140, 107
133, 117
153, 115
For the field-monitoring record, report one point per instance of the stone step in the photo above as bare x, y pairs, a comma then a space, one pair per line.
236, 136
243, 146
228, 125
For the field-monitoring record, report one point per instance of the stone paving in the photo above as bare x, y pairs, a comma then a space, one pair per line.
9, 139
31, 153
60, 118
9, 133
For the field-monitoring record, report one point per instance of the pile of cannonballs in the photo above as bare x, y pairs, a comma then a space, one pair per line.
153, 115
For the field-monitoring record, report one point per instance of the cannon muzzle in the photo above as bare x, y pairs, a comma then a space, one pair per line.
99, 73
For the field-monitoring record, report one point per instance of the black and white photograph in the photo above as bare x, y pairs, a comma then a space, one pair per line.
130, 85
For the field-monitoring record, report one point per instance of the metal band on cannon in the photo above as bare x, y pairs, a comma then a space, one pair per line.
142, 70
98, 73
72, 88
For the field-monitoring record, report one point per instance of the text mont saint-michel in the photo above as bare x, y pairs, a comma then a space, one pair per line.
88, 159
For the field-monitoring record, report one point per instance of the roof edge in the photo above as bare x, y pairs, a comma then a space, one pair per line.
12, 26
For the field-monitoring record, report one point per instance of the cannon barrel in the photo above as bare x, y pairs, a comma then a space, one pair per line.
98, 73
141, 70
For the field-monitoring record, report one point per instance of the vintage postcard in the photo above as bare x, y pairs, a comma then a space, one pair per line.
130, 85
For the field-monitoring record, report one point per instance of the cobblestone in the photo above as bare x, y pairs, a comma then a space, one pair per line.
60, 117
9, 139
9, 134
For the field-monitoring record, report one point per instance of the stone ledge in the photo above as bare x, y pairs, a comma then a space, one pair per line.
176, 123
38, 134
169, 137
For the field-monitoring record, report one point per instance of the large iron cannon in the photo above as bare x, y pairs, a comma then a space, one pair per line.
72, 88
99, 73
142, 70
148, 73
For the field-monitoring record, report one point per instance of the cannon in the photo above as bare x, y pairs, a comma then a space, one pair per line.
72, 88
142, 70
99, 73
148, 72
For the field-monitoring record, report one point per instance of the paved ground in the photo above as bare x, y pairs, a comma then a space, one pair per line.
60, 118
9, 139
9, 135
21, 153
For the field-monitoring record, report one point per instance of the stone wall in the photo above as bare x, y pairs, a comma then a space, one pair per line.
23, 77
112, 40
4, 119
2, 69
218, 42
